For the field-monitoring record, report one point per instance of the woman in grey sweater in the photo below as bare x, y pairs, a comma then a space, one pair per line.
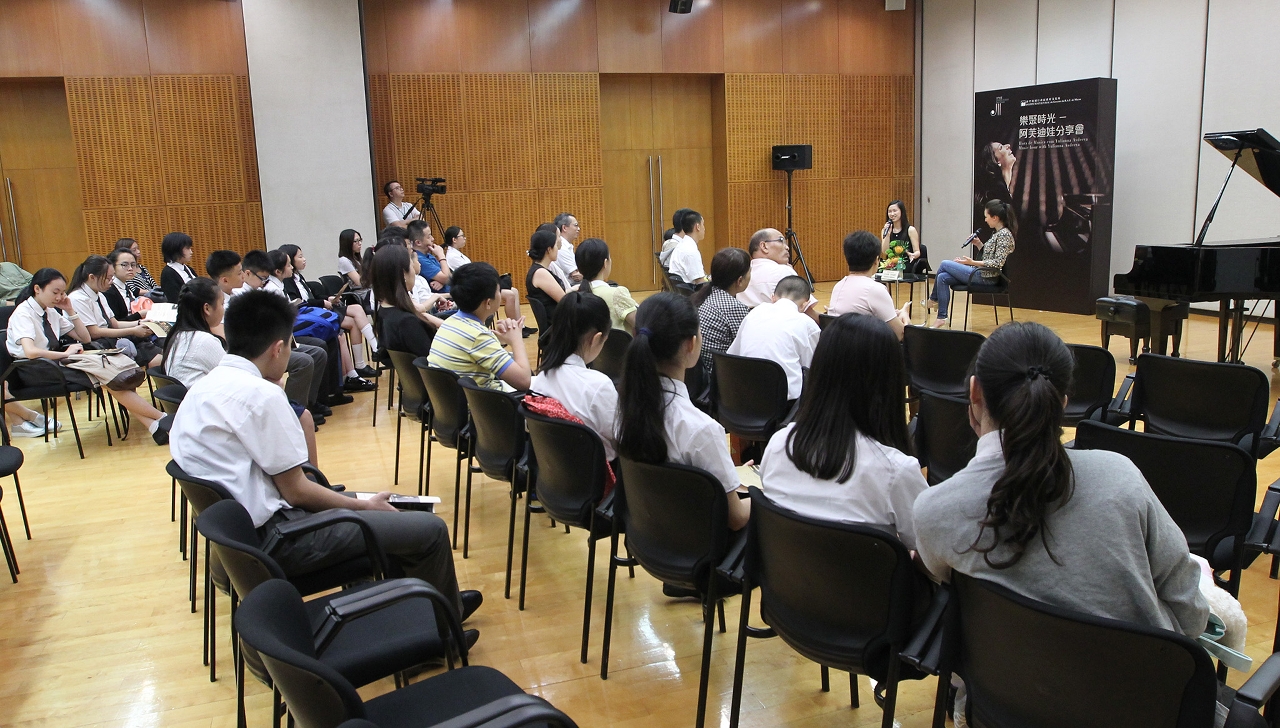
1079, 529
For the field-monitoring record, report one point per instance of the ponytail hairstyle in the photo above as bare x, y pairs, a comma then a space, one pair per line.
450, 233
346, 246
194, 296
1004, 211
590, 256
94, 265
41, 279
542, 240
389, 265
1025, 370
664, 322
579, 315
279, 261
727, 266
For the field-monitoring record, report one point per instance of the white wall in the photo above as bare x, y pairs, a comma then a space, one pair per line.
306, 74
1166, 62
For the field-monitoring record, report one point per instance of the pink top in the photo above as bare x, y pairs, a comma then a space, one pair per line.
860, 294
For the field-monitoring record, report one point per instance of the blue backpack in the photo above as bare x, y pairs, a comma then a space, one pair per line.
318, 323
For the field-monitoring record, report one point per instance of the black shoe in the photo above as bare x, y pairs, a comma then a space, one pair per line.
471, 636
368, 372
320, 410
356, 384
316, 419
679, 592
161, 435
336, 400
471, 601
528, 331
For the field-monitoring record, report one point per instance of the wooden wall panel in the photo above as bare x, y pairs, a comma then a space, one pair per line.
864, 201
562, 36
746, 48
693, 42
810, 36
421, 36
248, 142
499, 131
497, 33
147, 225
754, 122
820, 227
199, 135
453, 209
195, 36
501, 223
755, 205
110, 38
904, 125
904, 188
212, 227
874, 41
427, 128
629, 35
384, 137
255, 230
112, 121
27, 28
375, 37
867, 118
584, 203
567, 129
813, 117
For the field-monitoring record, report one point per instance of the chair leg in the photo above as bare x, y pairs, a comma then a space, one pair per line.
22, 506
466, 517
206, 623
1275, 566
426, 432
275, 707
940, 700
182, 525
44, 410
240, 717
853, 691
10, 559
891, 690
422, 446
586, 608
608, 606
173, 499
708, 631
457, 493
720, 609
74, 428
191, 552
511, 541
211, 598
524, 550
740, 657
968, 299
399, 419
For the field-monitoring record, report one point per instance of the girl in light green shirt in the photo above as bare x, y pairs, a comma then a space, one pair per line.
595, 265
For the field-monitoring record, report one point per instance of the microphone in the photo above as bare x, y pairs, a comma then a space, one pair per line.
971, 238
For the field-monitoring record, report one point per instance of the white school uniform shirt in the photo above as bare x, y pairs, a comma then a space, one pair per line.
123, 290
404, 211
275, 285
693, 438
24, 323
421, 290
685, 261
239, 431
779, 332
566, 263
588, 394
455, 258
91, 306
193, 355
668, 246
183, 271
881, 490
765, 274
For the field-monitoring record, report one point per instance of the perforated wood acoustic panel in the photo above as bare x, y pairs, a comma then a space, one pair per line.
453, 208
755, 205
427, 129
904, 188
812, 116
867, 123
864, 201
820, 227
904, 126
212, 227
147, 225
384, 148
112, 123
501, 225
499, 122
754, 122
584, 203
255, 231
248, 143
567, 129
199, 139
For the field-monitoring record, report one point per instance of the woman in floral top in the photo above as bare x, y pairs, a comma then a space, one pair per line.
962, 270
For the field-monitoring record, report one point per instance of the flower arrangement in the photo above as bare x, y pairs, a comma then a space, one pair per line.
895, 258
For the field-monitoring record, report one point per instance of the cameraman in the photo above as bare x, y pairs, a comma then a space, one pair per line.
398, 212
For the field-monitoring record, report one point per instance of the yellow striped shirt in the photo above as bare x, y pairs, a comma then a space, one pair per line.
464, 345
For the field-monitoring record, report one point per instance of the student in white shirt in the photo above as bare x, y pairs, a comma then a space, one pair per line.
671, 236
454, 241
91, 279
43, 315
567, 231
657, 423
685, 260
576, 336
235, 427
397, 212
304, 366
781, 332
846, 458
192, 350
770, 263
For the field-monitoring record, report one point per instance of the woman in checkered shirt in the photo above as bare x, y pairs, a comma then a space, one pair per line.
720, 313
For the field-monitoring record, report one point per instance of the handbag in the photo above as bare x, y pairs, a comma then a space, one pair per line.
108, 367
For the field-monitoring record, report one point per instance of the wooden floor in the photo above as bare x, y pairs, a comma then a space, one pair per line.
99, 632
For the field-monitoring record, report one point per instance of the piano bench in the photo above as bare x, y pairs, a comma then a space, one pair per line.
1125, 316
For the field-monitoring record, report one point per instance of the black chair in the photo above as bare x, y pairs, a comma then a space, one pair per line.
841, 595
1093, 382
414, 405
273, 621
825, 319
676, 519
610, 359
978, 286
501, 448
1200, 400
938, 359
332, 284
702, 390
751, 396
156, 378
449, 422
11, 460
1208, 488
381, 363
317, 289
544, 322
672, 283
944, 441
10, 558
169, 397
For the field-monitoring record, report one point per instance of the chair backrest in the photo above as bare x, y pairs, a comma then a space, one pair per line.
676, 519
170, 397
938, 359
1027, 663
316, 289
500, 439
539, 315
1208, 488
159, 379
825, 319
332, 284
1092, 383
413, 393
1200, 399
751, 395
200, 493
570, 467
944, 441
6, 312
668, 285
273, 621
837, 593
228, 527
610, 359
448, 403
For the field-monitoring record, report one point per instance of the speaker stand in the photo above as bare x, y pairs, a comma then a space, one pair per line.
793, 240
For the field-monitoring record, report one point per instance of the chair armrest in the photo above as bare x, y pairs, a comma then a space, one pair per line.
311, 470
509, 712
344, 609
1262, 533
733, 566
924, 650
289, 530
1260, 686
1118, 411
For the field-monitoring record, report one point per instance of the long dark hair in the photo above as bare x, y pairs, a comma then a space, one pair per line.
1025, 370
390, 263
193, 297
727, 266
450, 233
94, 265
663, 323
578, 315
541, 241
987, 160
590, 256
901, 208
346, 247
855, 385
1004, 211
292, 251
42, 279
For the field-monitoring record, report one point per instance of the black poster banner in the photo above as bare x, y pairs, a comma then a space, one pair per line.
1049, 151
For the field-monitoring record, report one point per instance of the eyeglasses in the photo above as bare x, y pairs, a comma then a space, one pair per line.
128, 265
264, 279
776, 240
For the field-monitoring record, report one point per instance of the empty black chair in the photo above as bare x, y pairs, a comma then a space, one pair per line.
701, 388
502, 450
273, 621
1200, 400
332, 284
450, 423
981, 286
610, 359
414, 405
156, 378
841, 595
943, 440
11, 459
676, 519
825, 319
317, 289
169, 397
1092, 383
938, 359
6, 543
751, 396
1208, 488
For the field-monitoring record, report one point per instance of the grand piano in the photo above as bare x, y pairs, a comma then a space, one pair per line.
1231, 272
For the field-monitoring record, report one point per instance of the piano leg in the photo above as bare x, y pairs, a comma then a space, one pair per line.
1224, 312
1275, 335
1237, 329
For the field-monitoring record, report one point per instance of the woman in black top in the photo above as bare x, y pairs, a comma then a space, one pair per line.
401, 327
542, 283
176, 249
898, 230
141, 283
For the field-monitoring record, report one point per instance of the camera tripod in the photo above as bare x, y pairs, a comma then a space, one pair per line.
425, 205
793, 240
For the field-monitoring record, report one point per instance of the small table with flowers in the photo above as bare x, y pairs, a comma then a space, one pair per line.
895, 278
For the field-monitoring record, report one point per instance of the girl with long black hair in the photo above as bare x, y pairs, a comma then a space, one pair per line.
89, 284
595, 265
576, 337
192, 350
401, 326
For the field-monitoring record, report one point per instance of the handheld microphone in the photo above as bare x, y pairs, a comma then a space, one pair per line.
971, 238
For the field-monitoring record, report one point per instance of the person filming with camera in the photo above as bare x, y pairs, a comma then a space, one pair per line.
397, 211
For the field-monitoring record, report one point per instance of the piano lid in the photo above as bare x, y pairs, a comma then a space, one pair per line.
1261, 157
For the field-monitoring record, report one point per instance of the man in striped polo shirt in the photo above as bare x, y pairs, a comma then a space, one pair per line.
464, 345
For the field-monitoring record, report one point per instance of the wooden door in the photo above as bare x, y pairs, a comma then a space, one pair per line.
44, 227
655, 134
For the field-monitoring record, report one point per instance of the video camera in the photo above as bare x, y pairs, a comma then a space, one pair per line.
431, 186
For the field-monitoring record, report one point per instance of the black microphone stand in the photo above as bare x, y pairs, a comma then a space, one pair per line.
793, 240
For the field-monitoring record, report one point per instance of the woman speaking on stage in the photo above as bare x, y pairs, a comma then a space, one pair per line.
964, 270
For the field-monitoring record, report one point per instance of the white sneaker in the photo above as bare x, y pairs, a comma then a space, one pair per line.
39, 422
26, 429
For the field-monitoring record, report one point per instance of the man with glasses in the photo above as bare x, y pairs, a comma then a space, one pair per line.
770, 263
568, 229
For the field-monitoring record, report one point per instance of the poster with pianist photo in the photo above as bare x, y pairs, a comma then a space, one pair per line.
1049, 151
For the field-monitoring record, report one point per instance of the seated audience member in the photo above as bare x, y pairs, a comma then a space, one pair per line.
770, 263
431, 257
1078, 529
402, 326
574, 340
142, 283
226, 269
543, 283
349, 246
397, 212
780, 332
92, 278
595, 265
26, 421
120, 301
281, 268
964, 270
567, 231
177, 251
256, 267
42, 316
656, 421
859, 292
847, 457
192, 350
719, 311
355, 319
235, 428
454, 241
464, 345
685, 260
671, 237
